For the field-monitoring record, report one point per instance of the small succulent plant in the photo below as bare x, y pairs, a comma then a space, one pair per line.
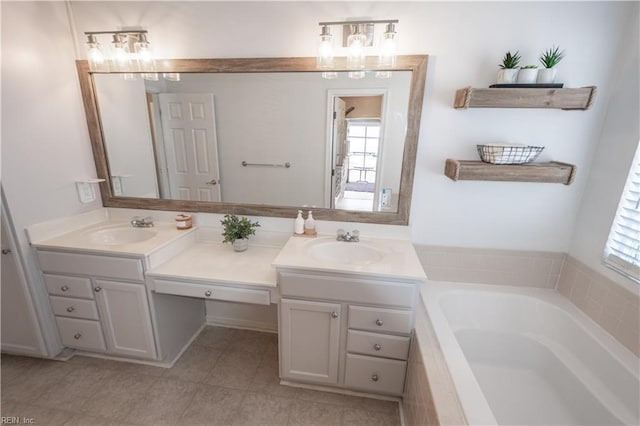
529, 67
550, 57
510, 61
236, 228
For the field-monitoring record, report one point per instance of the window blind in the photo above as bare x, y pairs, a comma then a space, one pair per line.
622, 252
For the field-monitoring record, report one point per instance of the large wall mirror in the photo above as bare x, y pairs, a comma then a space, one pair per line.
258, 137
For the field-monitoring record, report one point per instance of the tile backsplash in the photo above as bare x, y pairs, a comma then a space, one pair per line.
491, 266
614, 308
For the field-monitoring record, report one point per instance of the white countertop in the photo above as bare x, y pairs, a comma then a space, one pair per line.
78, 239
212, 261
399, 258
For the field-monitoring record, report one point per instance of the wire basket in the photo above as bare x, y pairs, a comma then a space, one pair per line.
508, 154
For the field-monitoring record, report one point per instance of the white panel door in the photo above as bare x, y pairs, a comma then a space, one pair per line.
339, 149
310, 340
125, 317
188, 127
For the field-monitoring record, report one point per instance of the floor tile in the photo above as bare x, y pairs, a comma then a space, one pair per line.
263, 409
251, 341
118, 395
358, 417
307, 413
119, 366
267, 380
215, 337
319, 396
212, 405
194, 365
235, 370
164, 403
28, 387
74, 389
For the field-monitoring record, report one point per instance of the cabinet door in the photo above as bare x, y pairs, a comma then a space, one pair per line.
125, 317
310, 340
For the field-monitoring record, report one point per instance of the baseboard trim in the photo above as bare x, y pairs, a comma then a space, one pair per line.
242, 324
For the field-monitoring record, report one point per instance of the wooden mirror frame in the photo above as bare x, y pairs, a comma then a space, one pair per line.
417, 64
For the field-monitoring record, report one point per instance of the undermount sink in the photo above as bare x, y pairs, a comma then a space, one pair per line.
345, 253
120, 235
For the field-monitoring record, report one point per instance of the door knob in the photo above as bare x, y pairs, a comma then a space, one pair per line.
77, 336
379, 323
64, 288
207, 293
375, 377
212, 182
71, 309
334, 315
97, 289
6, 251
377, 347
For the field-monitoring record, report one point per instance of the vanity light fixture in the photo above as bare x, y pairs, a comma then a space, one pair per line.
356, 44
130, 53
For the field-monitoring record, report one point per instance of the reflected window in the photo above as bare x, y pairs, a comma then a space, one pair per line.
364, 138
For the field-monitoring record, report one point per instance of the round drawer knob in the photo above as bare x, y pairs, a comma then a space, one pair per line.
97, 289
207, 293
64, 288
377, 347
334, 315
71, 309
77, 336
379, 323
374, 377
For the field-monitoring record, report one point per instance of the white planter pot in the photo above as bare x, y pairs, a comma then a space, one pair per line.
241, 244
527, 76
507, 76
546, 75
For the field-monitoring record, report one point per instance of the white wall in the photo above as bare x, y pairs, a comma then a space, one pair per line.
617, 145
465, 42
45, 147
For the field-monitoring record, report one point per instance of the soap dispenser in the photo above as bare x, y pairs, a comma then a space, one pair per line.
298, 227
310, 224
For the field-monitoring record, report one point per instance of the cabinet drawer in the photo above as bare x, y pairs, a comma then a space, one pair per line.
376, 344
87, 264
75, 308
213, 292
377, 292
380, 320
60, 285
379, 375
81, 334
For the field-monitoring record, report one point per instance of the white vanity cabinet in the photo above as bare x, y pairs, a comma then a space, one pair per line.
100, 302
345, 330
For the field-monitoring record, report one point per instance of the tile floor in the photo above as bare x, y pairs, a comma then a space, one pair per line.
226, 377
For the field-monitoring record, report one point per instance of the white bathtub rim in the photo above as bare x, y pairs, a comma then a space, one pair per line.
469, 391
474, 405
553, 300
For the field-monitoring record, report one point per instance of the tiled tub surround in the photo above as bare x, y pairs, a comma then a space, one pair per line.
610, 305
553, 364
491, 266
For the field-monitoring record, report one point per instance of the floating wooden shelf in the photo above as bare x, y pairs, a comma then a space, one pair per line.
553, 172
576, 99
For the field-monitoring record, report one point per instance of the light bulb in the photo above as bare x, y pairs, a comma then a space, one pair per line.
146, 63
388, 47
356, 43
325, 49
120, 60
94, 54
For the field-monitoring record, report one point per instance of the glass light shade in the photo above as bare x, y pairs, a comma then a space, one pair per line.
329, 75
356, 75
383, 74
325, 51
356, 43
95, 56
146, 63
120, 60
388, 48
152, 76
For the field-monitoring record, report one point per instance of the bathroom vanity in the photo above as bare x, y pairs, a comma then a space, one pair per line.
345, 309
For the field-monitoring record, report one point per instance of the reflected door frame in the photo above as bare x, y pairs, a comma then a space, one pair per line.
330, 157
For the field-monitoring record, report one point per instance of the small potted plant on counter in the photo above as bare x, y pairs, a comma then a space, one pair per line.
508, 72
528, 74
549, 59
237, 231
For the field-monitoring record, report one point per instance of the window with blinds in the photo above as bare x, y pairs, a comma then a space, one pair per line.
622, 252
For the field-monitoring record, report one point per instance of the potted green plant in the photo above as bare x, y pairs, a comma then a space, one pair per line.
508, 72
237, 231
528, 74
549, 59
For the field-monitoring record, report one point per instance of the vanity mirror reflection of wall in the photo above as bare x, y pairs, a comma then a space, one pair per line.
188, 139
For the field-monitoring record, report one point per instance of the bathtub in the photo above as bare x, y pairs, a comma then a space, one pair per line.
528, 356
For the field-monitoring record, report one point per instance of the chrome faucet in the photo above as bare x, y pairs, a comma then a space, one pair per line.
348, 237
139, 222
